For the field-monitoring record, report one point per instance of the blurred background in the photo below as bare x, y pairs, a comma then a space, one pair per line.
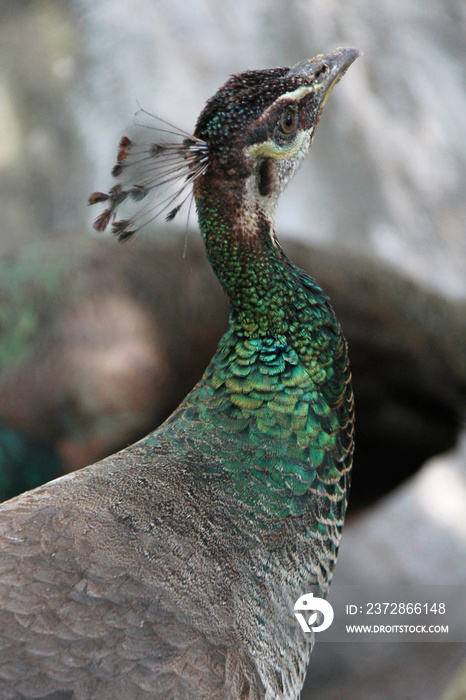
99, 342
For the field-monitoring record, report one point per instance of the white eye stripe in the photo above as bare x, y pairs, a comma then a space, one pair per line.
293, 98
295, 95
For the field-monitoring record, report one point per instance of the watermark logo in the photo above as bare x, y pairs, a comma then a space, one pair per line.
319, 607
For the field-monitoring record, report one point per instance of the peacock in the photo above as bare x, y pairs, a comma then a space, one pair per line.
171, 569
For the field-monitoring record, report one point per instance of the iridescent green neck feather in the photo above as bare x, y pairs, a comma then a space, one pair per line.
278, 378
248, 266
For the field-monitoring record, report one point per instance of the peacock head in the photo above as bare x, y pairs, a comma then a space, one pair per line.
253, 132
260, 124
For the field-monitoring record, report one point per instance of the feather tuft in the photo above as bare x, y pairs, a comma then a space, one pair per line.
161, 170
122, 230
138, 192
97, 197
171, 214
102, 221
123, 149
117, 195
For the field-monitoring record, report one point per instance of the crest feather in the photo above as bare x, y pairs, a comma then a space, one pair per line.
161, 168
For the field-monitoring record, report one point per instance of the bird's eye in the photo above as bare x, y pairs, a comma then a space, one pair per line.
288, 121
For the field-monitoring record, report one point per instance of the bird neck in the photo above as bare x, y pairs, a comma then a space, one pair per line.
242, 249
264, 399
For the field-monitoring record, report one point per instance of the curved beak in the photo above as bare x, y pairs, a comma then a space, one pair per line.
322, 73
